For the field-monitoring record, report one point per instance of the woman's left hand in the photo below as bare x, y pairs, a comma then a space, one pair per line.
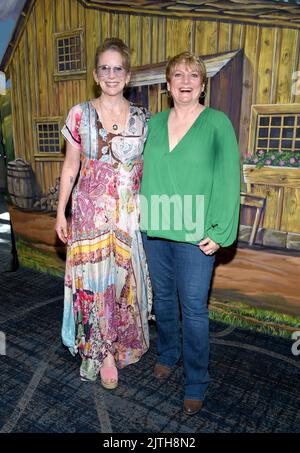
208, 246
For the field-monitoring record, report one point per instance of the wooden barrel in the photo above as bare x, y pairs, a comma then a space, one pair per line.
21, 184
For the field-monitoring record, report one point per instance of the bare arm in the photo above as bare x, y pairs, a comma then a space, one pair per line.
67, 180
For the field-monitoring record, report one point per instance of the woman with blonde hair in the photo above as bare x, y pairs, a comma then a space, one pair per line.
105, 305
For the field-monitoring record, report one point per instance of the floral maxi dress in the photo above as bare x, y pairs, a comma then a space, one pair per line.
106, 296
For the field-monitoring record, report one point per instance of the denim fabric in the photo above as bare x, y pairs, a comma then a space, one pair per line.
181, 274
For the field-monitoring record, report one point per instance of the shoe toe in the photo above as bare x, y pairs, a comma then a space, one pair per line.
161, 371
192, 407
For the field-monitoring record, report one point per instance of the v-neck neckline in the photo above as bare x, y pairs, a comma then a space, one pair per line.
187, 132
123, 132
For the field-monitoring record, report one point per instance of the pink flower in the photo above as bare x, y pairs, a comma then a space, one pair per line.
255, 160
268, 162
261, 151
280, 152
248, 155
273, 157
282, 163
292, 160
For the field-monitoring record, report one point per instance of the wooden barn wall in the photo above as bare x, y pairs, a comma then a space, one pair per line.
271, 56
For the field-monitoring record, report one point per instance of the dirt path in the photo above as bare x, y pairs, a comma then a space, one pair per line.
264, 278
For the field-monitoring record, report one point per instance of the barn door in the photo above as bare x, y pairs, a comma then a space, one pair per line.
153, 97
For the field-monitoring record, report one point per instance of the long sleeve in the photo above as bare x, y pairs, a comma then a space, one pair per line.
225, 200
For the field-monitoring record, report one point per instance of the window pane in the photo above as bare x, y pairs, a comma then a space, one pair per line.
264, 121
69, 53
48, 137
263, 132
289, 121
276, 121
274, 132
274, 144
287, 132
262, 143
286, 144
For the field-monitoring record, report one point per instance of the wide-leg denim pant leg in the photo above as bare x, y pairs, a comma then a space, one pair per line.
181, 266
193, 278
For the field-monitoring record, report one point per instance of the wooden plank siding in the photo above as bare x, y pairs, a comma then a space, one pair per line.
271, 55
286, 64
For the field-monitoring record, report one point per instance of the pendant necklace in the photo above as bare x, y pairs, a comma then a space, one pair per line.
115, 126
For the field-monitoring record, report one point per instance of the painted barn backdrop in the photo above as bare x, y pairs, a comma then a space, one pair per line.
251, 51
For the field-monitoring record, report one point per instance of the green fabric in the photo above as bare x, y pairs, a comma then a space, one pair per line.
205, 162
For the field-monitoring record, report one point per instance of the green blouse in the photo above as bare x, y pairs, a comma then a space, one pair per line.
193, 191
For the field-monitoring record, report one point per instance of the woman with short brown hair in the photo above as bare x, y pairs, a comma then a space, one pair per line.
191, 165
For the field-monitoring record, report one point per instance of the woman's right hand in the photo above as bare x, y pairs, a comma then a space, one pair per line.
61, 228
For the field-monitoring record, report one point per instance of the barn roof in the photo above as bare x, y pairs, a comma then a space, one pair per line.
156, 73
257, 11
263, 12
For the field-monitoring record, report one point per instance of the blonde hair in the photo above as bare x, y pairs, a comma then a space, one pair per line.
114, 44
189, 59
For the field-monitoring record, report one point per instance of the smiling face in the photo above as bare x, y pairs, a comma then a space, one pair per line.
185, 84
110, 73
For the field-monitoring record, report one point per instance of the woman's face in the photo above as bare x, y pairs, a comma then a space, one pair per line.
110, 73
185, 85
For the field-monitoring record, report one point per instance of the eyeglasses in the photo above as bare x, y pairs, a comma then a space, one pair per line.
104, 71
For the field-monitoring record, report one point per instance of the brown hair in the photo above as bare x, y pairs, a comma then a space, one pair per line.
114, 44
190, 60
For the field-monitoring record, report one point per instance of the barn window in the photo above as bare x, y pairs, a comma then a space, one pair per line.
48, 137
275, 128
69, 55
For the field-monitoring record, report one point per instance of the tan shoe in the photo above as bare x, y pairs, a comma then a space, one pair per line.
192, 407
161, 371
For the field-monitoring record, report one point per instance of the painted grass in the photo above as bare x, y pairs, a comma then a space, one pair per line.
253, 318
37, 260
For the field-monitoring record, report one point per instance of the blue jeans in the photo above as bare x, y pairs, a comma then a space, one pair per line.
181, 269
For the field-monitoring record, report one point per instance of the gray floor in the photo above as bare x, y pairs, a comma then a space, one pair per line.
255, 383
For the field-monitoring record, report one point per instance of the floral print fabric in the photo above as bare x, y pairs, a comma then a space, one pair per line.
106, 280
